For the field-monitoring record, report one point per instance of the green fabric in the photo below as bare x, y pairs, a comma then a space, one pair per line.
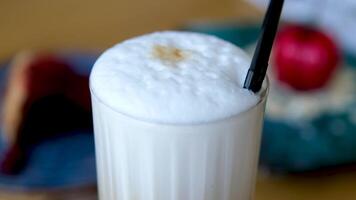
325, 141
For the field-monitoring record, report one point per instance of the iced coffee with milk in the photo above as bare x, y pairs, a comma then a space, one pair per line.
172, 120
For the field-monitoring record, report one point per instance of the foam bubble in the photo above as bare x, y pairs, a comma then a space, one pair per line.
174, 77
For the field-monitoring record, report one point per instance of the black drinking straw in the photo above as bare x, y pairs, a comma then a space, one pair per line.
259, 64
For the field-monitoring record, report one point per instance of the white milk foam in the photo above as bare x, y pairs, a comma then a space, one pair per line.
174, 77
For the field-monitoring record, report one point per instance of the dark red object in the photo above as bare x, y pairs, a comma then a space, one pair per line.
305, 58
48, 74
57, 103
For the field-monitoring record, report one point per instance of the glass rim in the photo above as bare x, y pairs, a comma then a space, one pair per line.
263, 94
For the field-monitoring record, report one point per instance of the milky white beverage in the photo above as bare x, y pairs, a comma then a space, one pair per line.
172, 120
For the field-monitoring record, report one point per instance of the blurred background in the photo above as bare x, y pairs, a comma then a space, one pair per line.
47, 49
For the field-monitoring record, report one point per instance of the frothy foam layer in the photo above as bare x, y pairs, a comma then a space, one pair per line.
174, 77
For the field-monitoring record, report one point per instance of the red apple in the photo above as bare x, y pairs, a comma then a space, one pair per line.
304, 57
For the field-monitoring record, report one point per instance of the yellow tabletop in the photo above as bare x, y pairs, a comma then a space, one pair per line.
332, 187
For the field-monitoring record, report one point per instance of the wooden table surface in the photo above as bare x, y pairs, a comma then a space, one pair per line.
340, 186
90, 24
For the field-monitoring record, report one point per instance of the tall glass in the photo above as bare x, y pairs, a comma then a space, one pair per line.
143, 160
